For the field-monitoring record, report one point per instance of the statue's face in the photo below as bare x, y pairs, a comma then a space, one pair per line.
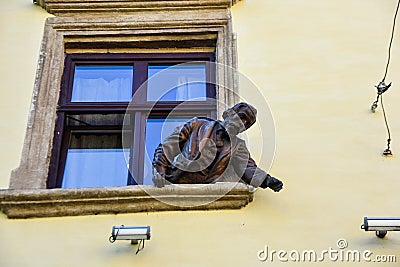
238, 122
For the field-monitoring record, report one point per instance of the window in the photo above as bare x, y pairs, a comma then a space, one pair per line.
103, 83
95, 115
190, 30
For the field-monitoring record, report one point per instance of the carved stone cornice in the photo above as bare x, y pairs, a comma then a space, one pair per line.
74, 7
28, 203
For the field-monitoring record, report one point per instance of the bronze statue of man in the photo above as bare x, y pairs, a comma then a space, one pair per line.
204, 150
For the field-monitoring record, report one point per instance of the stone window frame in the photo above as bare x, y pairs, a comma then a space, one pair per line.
194, 26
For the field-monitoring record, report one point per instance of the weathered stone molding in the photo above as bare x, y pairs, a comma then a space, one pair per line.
18, 204
35, 158
76, 7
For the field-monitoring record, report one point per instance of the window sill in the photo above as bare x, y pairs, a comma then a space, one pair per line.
19, 204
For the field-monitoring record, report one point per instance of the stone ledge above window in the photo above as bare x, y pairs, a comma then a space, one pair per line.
73, 7
21, 204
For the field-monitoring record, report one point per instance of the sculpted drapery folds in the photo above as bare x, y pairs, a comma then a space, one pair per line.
206, 151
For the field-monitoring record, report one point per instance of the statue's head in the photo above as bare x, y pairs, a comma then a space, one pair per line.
239, 118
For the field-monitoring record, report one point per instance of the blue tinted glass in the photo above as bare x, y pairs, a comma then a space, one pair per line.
156, 131
95, 160
177, 83
102, 84
95, 168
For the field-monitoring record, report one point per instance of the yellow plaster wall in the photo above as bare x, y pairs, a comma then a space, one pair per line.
316, 62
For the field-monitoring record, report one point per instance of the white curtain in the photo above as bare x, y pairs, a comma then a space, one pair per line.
182, 91
101, 90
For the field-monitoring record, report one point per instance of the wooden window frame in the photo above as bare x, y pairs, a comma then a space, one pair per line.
141, 108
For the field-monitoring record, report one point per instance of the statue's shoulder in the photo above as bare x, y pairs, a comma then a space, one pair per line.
200, 121
204, 119
239, 143
239, 140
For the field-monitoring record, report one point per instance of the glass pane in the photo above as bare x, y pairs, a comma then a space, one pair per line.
102, 84
157, 129
96, 119
95, 160
177, 83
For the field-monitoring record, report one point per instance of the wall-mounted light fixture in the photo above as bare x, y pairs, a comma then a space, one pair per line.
381, 225
136, 234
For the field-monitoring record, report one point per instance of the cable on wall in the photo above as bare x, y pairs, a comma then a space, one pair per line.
383, 87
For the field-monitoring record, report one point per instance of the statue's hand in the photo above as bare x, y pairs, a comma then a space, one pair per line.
273, 183
276, 185
159, 180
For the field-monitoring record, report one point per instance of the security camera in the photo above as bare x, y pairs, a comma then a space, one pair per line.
381, 225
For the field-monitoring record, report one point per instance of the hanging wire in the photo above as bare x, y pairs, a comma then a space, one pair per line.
140, 246
112, 238
391, 40
387, 151
383, 87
